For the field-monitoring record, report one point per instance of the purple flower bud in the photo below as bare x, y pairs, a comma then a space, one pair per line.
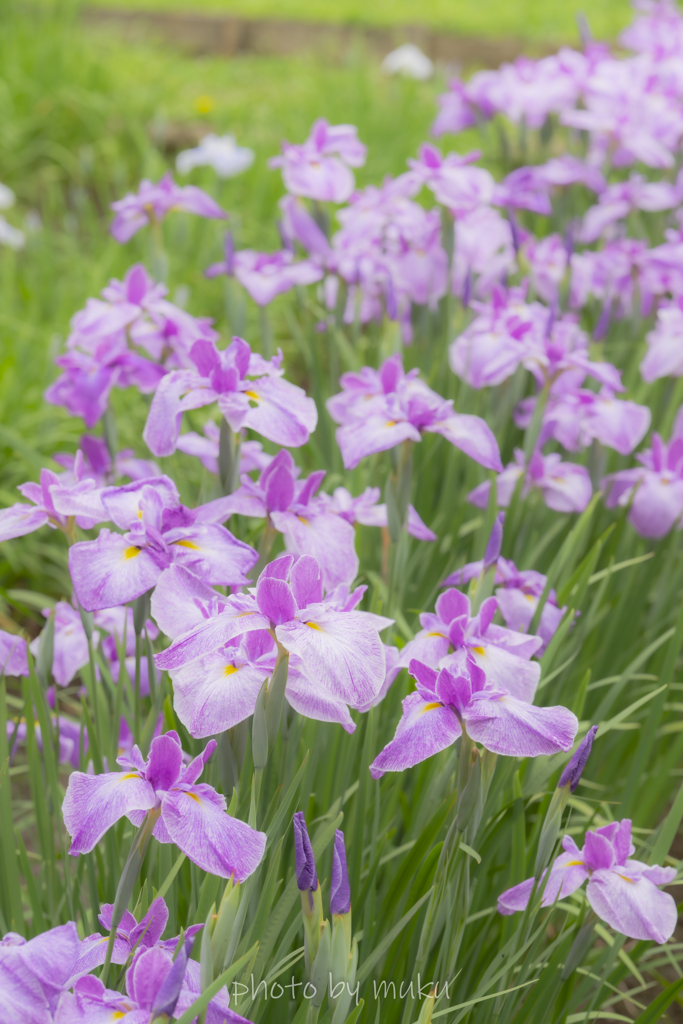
306, 877
493, 547
169, 990
340, 890
577, 762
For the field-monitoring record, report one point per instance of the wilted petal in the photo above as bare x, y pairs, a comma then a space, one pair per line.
93, 803
631, 904
424, 730
110, 571
505, 725
342, 651
198, 824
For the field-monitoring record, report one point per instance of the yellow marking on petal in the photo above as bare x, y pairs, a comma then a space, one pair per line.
243, 614
130, 775
390, 423
187, 544
442, 635
193, 797
529, 597
303, 520
139, 513
629, 880
312, 625
118, 1014
131, 553
228, 670
254, 395
479, 650
574, 863
430, 707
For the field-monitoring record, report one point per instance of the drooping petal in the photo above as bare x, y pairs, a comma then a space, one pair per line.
340, 650
567, 874
504, 670
93, 950
277, 409
505, 725
241, 616
631, 904
424, 730
473, 436
177, 391
312, 701
214, 693
20, 519
110, 571
178, 600
376, 433
198, 824
212, 553
327, 537
93, 803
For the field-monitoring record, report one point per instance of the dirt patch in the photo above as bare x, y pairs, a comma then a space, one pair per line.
200, 34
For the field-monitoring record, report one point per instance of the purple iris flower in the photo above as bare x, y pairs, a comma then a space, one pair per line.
308, 525
320, 168
136, 311
34, 974
338, 646
565, 486
13, 659
618, 200
623, 892
510, 332
611, 274
249, 390
446, 701
576, 417
152, 202
378, 409
265, 275
366, 510
155, 984
116, 568
455, 110
54, 500
548, 261
664, 356
88, 380
69, 733
655, 488
190, 815
565, 170
130, 935
524, 189
297, 225
484, 252
340, 888
215, 691
450, 636
98, 464
452, 179
518, 593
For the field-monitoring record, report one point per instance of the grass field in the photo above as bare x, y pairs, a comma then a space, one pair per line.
534, 19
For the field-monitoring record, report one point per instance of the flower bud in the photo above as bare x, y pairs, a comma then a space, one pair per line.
340, 890
169, 990
306, 876
577, 762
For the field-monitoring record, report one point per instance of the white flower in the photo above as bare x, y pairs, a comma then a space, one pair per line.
10, 236
408, 60
218, 151
6, 197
